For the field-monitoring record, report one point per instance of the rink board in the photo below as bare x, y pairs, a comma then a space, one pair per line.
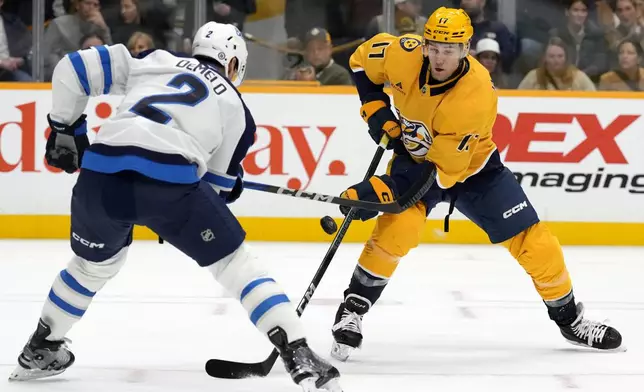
578, 156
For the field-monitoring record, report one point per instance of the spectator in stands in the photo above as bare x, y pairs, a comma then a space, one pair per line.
318, 51
127, 22
556, 72
488, 52
629, 76
585, 41
140, 42
485, 28
133, 17
63, 35
91, 40
407, 20
15, 45
304, 72
535, 20
628, 26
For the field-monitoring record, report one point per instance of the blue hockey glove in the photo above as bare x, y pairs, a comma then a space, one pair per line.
380, 119
66, 144
379, 189
238, 188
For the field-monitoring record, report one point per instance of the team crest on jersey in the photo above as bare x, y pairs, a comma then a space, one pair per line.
409, 43
415, 137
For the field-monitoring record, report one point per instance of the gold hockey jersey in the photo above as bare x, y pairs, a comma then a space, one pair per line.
448, 123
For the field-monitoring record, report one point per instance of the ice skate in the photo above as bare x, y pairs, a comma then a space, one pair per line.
308, 370
592, 334
347, 330
42, 358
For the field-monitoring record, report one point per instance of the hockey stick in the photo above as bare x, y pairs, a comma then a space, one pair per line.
397, 206
235, 370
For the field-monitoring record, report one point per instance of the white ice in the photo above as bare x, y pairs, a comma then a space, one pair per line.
454, 318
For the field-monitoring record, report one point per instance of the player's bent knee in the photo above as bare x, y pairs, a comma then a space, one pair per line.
397, 234
393, 237
540, 254
264, 300
93, 275
234, 270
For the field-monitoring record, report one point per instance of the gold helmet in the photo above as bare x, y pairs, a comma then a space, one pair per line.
449, 25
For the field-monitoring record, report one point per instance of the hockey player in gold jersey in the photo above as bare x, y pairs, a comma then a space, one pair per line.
446, 105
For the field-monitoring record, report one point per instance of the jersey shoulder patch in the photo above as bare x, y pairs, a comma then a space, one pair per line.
409, 43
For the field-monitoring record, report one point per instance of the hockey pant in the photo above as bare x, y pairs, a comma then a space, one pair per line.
495, 202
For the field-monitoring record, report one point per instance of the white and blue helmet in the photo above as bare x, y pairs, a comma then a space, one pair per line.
222, 42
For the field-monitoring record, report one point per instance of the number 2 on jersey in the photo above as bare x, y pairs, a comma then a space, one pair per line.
197, 93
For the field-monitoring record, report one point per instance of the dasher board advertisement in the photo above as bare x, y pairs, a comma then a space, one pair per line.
577, 155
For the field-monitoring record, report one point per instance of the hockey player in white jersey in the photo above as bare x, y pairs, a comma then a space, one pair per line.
168, 159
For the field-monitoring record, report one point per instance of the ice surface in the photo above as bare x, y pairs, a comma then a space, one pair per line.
454, 318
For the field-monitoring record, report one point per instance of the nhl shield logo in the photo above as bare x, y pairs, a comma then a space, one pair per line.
207, 235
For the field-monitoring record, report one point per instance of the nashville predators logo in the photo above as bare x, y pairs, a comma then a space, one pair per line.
415, 137
409, 43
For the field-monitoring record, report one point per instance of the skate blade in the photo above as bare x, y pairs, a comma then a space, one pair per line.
619, 349
341, 352
308, 385
22, 374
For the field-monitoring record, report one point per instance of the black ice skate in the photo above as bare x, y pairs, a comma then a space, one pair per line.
593, 334
42, 358
307, 370
347, 330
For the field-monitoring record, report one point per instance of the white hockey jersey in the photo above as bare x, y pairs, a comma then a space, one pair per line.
180, 120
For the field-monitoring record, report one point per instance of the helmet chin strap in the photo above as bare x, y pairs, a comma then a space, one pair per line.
466, 50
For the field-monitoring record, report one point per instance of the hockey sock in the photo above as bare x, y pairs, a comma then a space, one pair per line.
564, 310
366, 285
540, 255
73, 290
262, 297
392, 238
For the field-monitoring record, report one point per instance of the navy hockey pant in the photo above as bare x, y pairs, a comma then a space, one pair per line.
192, 217
493, 199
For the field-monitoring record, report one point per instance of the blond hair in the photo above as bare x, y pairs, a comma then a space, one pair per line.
140, 35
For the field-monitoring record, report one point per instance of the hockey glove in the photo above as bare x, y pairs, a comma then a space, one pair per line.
379, 189
237, 188
66, 144
380, 119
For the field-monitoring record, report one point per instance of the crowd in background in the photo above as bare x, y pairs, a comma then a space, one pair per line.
555, 44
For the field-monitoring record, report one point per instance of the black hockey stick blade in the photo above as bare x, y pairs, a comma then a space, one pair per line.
219, 368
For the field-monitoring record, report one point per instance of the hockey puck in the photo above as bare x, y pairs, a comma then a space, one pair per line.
328, 225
